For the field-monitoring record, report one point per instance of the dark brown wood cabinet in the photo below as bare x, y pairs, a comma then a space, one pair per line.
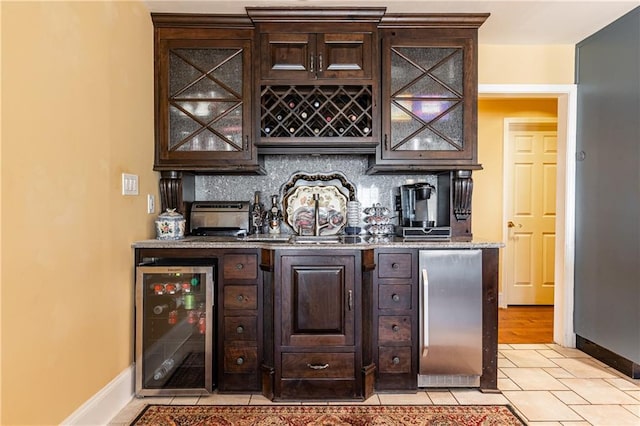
399, 88
395, 318
317, 85
310, 56
327, 324
429, 93
317, 337
203, 86
239, 338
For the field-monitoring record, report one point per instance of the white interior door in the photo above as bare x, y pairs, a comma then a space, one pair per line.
531, 161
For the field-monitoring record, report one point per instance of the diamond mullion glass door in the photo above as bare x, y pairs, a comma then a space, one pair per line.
424, 100
205, 104
427, 102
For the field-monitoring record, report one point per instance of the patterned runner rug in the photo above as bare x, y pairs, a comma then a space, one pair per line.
327, 415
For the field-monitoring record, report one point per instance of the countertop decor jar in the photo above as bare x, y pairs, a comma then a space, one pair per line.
170, 225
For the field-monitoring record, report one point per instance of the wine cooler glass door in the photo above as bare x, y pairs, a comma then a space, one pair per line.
174, 330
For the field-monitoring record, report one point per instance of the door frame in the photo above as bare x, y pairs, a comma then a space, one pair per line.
507, 196
566, 96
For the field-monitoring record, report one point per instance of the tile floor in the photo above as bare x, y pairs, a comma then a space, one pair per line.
545, 383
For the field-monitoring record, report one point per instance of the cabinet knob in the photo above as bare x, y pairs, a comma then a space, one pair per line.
395, 266
239, 266
395, 328
240, 298
240, 329
240, 361
395, 360
395, 297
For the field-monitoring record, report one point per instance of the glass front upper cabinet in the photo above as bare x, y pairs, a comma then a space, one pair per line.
203, 92
429, 95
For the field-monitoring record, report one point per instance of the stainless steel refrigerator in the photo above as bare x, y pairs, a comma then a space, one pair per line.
450, 318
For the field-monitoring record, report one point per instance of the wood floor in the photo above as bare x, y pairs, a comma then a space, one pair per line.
525, 324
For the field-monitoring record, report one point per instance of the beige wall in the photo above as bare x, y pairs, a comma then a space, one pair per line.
77, 97
526, 64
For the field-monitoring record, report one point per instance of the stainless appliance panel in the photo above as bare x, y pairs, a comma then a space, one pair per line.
219, 215
450, 317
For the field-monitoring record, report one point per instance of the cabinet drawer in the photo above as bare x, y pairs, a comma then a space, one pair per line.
318, 365
240, 328
240, 297
240, 359
394, 359
394, 265
394, 329
240, 267
396, 296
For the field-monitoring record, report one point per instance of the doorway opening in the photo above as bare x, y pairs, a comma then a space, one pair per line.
563, 333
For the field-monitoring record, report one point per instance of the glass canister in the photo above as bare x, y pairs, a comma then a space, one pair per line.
170, 225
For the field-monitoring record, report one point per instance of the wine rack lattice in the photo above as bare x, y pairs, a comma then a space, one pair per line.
316, 111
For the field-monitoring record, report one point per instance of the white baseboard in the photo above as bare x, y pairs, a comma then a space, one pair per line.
104, 405
501, 302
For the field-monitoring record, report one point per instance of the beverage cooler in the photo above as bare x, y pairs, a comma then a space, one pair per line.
174, 330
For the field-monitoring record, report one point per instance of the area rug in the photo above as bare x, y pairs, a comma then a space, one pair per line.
327, 415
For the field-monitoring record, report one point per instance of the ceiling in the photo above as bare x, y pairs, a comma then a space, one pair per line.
511, 21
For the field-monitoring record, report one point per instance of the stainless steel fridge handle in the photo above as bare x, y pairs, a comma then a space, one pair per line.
212, 293
425, 313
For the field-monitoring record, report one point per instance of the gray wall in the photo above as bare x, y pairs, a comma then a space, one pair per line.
607, 268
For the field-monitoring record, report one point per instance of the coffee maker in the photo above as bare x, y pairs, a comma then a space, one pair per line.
423, 210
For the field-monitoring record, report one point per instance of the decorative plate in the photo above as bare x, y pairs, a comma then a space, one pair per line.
335, 178
298, 207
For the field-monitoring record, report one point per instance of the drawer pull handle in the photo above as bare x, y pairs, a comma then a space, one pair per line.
350, 299
318, 366
240, 329
395, 360
395, 328
395, 297
240, 298
395, 266
239, 266
240, 361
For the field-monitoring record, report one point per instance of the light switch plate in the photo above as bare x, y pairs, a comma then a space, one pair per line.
129, 184
151, 204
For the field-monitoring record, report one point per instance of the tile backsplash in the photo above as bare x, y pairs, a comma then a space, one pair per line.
370, 189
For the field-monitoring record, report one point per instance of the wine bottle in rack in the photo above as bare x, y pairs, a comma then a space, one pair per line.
166, 305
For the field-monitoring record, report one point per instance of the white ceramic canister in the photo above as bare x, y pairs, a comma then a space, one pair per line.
170, 225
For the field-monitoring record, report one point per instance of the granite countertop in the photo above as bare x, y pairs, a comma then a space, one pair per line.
282, 241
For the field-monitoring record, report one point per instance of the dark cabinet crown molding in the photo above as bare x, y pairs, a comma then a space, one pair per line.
325, 14
196, 20
435, 20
